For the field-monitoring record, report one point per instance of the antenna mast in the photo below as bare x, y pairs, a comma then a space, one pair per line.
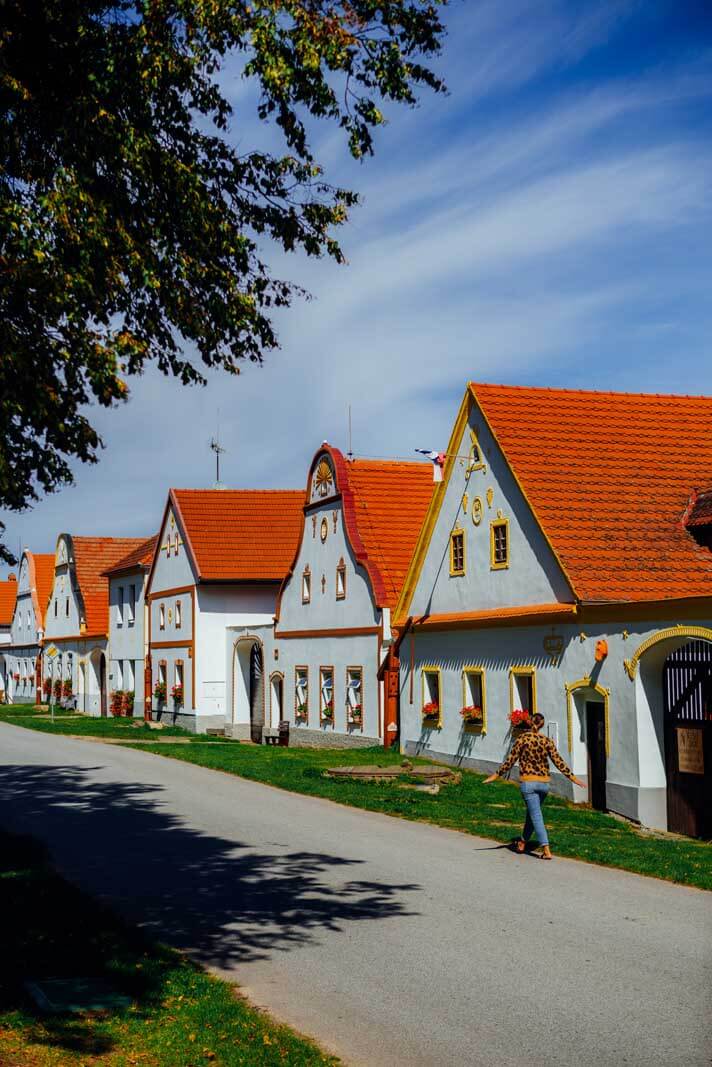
217, 448
350, 452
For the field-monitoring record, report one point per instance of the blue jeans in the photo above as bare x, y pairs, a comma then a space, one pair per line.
534, 794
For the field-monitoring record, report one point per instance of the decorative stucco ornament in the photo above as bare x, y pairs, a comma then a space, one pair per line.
465, 503
323, 479
553, 646
477, 510
324, 530
490, 496
601, 650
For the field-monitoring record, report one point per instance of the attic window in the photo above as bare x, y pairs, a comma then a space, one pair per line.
306, 586
341, 580
179, 614
162, 617
499, 544
457, 552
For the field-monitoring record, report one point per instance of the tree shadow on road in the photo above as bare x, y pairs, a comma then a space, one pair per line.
227, 902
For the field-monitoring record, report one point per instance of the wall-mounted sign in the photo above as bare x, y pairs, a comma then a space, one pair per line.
690, 754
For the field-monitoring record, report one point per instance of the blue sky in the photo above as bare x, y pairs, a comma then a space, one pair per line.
549, 222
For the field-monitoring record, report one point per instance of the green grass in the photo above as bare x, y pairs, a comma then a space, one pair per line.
180, 1015
90, 725
493, 811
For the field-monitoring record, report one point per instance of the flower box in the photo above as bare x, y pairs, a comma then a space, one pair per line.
327, 713
520, 719
160, 692
472, 715
431, 710
301, 711
355, 715
177, 694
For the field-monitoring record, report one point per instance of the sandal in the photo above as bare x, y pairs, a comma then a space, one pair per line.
545, 853
520, 845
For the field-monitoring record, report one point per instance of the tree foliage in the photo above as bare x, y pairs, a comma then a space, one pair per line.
131, 226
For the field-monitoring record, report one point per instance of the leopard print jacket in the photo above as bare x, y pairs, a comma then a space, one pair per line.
533, 751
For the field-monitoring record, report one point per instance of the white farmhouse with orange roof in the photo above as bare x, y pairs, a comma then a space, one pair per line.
76, 636
219, 561
328, 665
128, 632
564, 567
21, 675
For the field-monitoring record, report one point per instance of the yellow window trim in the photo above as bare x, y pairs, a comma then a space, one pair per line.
471, 669
494, 566
432, 669
453, 534
515, 672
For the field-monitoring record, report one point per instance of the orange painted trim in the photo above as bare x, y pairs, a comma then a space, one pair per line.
170, 644
354, 631
515, 616
73, 637
171, 502
150, 597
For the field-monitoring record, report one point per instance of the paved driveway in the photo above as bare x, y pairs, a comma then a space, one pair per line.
393, 943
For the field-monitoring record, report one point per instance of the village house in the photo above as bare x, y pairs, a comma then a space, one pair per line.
76, 634
21, 676
219, 562
128, 632
8, 597
326, 656
564, 566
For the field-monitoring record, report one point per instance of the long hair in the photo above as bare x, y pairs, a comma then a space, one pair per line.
538, 721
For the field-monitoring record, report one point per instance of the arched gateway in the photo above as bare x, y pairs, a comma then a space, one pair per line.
248, 695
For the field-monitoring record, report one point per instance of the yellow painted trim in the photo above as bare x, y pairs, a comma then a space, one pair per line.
513, 673
433, 512
475, 444
586, 683
453, 572
432, 669
480, 408
699, 632
493, 565
465, 695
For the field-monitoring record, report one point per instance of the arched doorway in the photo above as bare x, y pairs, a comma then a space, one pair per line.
276, 702
687, 688
589, 730
248, 691
97, 689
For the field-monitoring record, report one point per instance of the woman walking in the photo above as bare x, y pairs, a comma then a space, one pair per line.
533, 751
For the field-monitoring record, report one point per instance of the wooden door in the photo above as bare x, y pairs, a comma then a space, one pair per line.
687, 681
257, 694
596, 744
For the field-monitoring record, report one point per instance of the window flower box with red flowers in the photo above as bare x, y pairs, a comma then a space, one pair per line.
116, 702
355, 715
177, 695
431, 711
520, 719
301, 712
327, 713
160, 692
472, 715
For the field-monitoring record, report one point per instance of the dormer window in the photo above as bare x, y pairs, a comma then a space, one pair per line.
341, 580
306, 586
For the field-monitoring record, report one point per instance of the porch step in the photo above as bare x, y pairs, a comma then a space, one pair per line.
215, 731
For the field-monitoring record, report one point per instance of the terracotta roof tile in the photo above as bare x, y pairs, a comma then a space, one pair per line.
609, 475
140, 557
241, 534
43, 563
92, 557
8, 596
390, 501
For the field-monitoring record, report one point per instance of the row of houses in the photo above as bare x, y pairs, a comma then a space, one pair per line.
561, 563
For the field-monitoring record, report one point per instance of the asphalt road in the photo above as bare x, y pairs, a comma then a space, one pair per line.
392, 943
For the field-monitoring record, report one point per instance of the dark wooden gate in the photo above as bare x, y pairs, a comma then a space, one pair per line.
257, 694
687, 682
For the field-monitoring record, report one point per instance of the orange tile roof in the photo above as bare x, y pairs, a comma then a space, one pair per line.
608, 476
92, 557
8, 596
42, 563
141, 557
240, 534
390, 500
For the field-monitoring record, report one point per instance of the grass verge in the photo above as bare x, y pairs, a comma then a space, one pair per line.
494, 811
67, 722
180, 1016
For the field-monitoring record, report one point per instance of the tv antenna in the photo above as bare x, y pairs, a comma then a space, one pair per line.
350, 453
218, 449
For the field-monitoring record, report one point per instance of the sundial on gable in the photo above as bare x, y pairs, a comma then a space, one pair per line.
323, 482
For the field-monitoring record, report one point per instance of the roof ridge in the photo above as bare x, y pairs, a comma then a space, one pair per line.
587, 392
